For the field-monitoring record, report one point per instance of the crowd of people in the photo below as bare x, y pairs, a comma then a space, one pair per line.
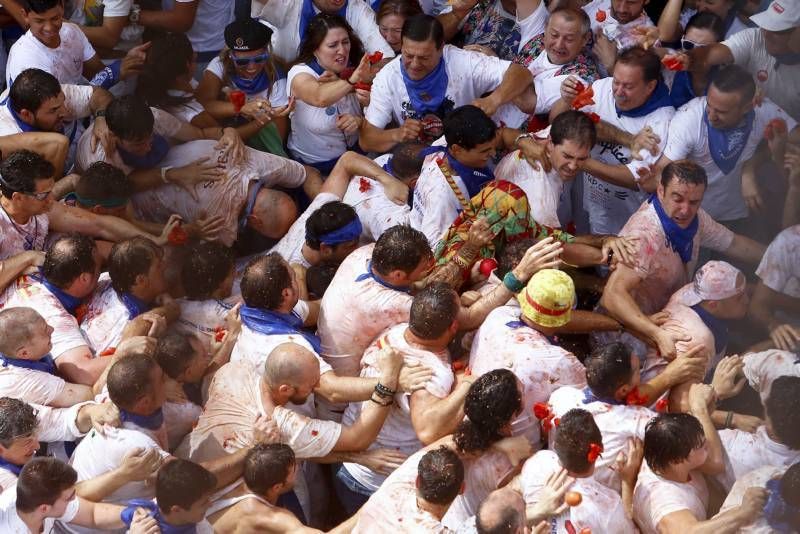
492, 266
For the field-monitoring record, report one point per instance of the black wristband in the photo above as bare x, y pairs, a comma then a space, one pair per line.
383, 391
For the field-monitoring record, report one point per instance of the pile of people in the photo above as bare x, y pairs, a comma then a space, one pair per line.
492, 266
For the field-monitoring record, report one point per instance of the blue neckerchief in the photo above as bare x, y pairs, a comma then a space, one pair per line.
345, 234
780, 515
272, 323
717, 326
680, 239
315, 66
726, 146
682, 90
589, 397
375, 5
308, 12
44, 364
24, 126
473, 178
255, 86
150, 422
126, 515
8, 466
134, 305
516, 324
384, 283
786, 59
69, 302
251, 203
158, 151
659, 99
428, 94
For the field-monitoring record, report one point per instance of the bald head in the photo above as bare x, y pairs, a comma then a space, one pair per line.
16, 326
503, 512
289, 363
274, 213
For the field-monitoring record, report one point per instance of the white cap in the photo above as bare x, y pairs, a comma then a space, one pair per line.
780, 15
716, 280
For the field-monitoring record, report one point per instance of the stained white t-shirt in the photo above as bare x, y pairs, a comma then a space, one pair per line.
655, 497
106, 317
779, 269
609, 206
762, 368
688, 139
30, 385
278, 93
200, 318
65, 62
754, 479
284, 17
626, 38
314, 136
745, 452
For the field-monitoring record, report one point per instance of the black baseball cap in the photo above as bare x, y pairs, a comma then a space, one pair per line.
247, 34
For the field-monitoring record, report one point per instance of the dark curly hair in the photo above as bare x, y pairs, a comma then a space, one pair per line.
493, 400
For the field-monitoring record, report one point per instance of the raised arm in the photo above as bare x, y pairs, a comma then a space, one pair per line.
669, 27
179, 19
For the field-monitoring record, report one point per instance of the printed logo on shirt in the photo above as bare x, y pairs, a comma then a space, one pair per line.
616, 151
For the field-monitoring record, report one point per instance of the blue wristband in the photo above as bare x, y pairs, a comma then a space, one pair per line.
512, 283
109, 76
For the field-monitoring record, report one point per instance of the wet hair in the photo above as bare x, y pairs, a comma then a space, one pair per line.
319, 277
67, 258
39, 6
734, 79
174, 353
318, 29
170, 55
32, 88
783, 409
267, 464
573, 126
130, 118
16, 327
573, 14
670, 438
512, 254
17, 420
684, 171
42, 481
327, 218
441, 474
492, 401
608, 368
206, 266
576, 431
705, 20
433, 310
182, 483
129, 380
400, 248
468, 126
130, 259
646, 60
20, 171
403, 8
407, 160
790, 485
264, 280
103, 181
421, 28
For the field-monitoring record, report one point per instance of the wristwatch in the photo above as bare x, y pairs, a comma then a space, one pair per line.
136, 12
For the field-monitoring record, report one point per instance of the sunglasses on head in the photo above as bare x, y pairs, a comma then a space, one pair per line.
686, 44
245, 61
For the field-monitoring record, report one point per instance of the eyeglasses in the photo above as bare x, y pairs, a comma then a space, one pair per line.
39, 196
686, 44
245, 61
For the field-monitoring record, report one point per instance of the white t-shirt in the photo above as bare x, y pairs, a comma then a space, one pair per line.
533, 24
779, 269
397, 431
16, 238
393, 508
504, 342
469, 75
600, 510
30, 385
278, 92
482, 475
284, 17
754, 479
65, 62
290, 247
376, 212
617, 424
314, 137
66, 335
762, 368
543, 189
10, 522
745, 452
106, 317
626, 38
656, 497
206, 33
781, 85
200, 318
688, 139
661, 269
608, 205
224, 198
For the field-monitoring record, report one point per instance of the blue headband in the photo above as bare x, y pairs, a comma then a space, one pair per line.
348, 232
